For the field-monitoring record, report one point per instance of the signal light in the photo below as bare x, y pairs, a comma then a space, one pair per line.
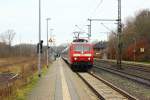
40, 45
75, 58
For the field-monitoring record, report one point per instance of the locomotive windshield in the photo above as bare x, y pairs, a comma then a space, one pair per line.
82, 47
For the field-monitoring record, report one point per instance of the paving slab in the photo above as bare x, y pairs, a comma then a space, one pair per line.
61, 83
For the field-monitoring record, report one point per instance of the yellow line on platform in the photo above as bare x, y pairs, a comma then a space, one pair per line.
65, 90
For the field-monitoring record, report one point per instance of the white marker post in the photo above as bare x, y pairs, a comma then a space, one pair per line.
47, 43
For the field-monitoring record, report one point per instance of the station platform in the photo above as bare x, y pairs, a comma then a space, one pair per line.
61, 83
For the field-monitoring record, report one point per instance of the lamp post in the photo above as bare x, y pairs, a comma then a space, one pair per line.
39, 53
51, 40
47, 43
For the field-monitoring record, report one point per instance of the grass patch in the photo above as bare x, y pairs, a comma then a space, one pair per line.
21, 94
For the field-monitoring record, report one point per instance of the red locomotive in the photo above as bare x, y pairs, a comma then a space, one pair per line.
79, 54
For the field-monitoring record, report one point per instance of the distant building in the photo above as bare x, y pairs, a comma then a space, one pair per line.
100, 50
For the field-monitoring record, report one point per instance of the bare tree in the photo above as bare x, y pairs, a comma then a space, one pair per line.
10, 34
135, 35
7, 38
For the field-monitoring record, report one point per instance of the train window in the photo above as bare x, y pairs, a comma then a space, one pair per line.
78, 48
82, 48
86, 48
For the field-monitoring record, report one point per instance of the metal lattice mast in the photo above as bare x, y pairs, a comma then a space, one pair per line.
119, 53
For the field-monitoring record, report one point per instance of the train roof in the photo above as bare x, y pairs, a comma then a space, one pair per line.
81, 43
80, 40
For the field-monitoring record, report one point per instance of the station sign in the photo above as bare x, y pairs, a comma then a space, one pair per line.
142, 50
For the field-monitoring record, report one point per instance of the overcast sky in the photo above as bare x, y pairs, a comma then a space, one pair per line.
22, 16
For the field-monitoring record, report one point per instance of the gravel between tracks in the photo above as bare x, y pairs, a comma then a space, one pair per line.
128, 70
140, 91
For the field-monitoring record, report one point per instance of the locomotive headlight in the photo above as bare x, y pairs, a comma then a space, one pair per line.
89, 58
88, 55
76, 55
75, 58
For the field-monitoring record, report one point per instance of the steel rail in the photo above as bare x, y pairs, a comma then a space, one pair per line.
94, 91
126, 75
122, 92
138, 67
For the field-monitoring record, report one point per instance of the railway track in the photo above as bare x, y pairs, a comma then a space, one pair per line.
134, 77
138, 67
103, 89
132, 74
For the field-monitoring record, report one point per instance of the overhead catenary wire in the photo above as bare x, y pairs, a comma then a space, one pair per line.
97, 7
99, 4
108, 28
